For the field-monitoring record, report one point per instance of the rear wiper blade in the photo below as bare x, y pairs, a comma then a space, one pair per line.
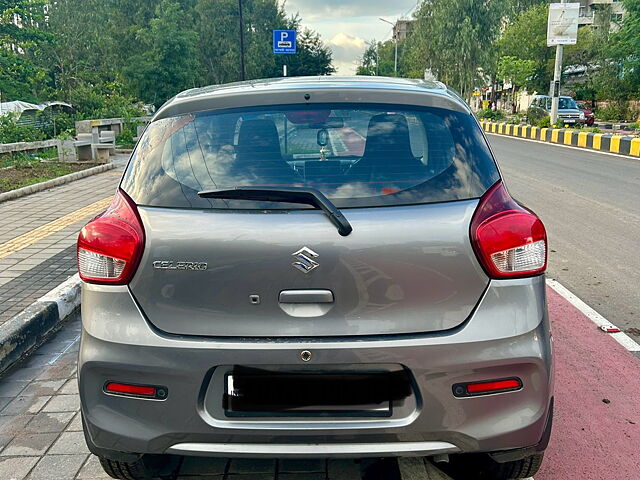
308, 196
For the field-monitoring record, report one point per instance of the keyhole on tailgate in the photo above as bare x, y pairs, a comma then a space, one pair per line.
254, 299
305, 355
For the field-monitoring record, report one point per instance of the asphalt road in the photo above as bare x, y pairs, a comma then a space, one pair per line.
590, 204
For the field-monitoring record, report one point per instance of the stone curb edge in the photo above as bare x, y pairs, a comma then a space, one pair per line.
54, 182
28, 329
619, 144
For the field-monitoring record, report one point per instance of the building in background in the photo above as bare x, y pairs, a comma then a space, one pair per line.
601, 12
403, 28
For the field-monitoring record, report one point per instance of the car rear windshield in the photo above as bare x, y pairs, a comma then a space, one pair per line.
358, 155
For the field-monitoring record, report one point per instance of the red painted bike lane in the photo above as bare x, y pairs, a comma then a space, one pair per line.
596, 431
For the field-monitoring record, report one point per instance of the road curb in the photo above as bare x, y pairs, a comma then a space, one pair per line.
622, 145
32, 326
54, 182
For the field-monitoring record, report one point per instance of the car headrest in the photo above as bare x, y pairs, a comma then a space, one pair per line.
388, 134
259, 136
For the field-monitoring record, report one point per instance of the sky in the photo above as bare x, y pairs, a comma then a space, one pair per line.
345, 25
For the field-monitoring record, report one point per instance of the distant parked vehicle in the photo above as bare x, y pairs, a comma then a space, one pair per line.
568, 111
589, 116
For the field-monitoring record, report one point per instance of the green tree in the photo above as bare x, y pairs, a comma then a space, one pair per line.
624, 49
81, 51
526, 39
451, 38
313, 57
167, 63
22, 37
369, 61
517, 71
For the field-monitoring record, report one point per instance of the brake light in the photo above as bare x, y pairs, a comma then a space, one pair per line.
509, 240
131, 390
110, 246
487, 387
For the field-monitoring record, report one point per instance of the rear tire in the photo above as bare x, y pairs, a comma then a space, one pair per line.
523, 468
125, 470
483, 467
145, 468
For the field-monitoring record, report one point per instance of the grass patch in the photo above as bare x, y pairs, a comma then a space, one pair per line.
21, 170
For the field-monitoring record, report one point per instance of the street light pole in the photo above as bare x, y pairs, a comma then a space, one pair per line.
557, 76
395, 40
242, 71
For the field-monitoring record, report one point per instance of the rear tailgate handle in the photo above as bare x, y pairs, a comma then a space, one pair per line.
306, 296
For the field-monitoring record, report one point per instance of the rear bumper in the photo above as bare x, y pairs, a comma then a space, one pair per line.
508, 335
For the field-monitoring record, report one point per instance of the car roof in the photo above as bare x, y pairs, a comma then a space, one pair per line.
313, 90
548, 96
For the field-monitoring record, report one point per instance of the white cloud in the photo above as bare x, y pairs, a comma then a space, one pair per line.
314, 10
346, 50
346, 24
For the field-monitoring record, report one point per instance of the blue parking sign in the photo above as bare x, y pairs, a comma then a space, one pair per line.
284, 41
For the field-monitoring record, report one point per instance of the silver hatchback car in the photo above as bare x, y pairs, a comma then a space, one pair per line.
315, 267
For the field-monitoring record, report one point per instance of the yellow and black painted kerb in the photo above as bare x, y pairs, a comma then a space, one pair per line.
594, 141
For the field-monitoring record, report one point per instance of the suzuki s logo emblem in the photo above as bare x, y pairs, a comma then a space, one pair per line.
305, 261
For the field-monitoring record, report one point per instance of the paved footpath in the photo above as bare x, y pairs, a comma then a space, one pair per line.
38, 233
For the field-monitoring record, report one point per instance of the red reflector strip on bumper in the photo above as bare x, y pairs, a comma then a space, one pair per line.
485, 388
145, 391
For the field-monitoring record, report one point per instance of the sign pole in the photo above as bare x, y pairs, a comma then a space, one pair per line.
242, 70
557, 76
284, 42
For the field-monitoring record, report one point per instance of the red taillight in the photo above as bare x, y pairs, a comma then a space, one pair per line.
509, 240
485, 388
132, 390
110, 245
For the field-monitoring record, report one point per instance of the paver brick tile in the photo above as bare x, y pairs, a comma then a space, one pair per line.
342, 469
92, 470
76, 424
246, 476
250, 465
45, 422
203, 465
29, 444
71, 387
63, 403
42, 387
57, 372
69, 443
295, 465
302, 476
11, 425
25, 404
57, 467
16, 468
13, 388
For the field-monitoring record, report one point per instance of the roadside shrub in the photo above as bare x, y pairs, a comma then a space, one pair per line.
489, 114
516, 118
11, 132
91, 103
591, 130
129, 130
58, 124
544, 122
614, 111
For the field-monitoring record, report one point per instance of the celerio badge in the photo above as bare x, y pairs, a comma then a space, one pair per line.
171, 265
305, 261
